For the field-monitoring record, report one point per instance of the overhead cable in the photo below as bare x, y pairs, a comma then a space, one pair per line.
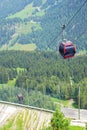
68, 22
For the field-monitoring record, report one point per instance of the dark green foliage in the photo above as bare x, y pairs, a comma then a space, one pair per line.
7, 74
59, 122
86, 126
32, 98
83, 93
37, 3
8, 7
7, 29
36, 98
56, 13
46, 72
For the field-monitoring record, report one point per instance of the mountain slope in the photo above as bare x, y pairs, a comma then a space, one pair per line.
40, 23
8, 7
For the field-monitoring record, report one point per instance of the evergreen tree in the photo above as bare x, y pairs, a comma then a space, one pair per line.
58, 121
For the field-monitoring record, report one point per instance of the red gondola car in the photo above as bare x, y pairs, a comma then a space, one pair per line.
67, 49
20, 97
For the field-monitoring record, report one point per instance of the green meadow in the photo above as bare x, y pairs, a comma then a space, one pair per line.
27, 12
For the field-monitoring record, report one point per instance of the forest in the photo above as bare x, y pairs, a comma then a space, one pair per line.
41, 23
41, 75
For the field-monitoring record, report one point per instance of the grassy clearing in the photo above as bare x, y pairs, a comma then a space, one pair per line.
11, 82
12, 40
82, 52
25, 47
43, 1
27, 28
40, 13
26, 12
20, 70
62, 102
76, 128
11, 43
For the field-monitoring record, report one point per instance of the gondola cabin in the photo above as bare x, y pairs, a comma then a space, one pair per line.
20, 97
67, 49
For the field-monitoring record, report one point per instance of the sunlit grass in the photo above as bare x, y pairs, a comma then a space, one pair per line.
76, 128
27, 28
26, 12
20, 70
43, 1
8, 125
61, 102
11, 82
40, 13
25, 47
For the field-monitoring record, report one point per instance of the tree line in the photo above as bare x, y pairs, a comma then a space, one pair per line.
46, 72
50, 23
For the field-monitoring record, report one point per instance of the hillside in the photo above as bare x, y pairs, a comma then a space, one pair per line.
39, 76
38, 24
32, 72
8, 7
